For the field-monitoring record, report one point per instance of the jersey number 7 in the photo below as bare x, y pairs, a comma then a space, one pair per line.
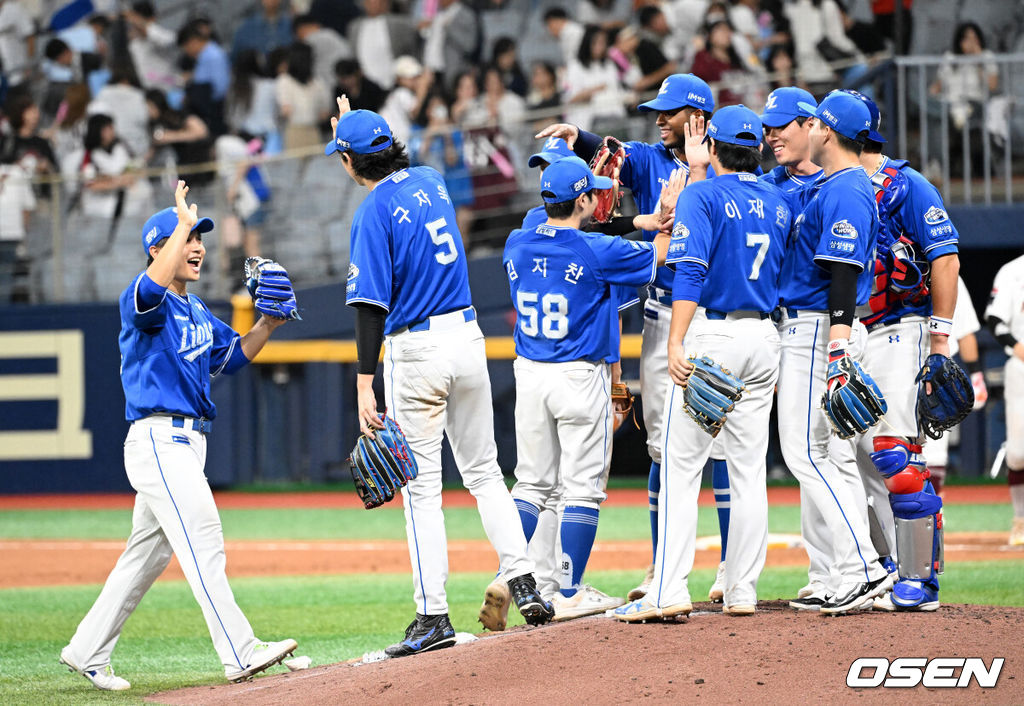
443, 238
761, 241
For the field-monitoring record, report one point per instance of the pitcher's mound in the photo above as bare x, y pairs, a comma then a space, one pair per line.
775, 656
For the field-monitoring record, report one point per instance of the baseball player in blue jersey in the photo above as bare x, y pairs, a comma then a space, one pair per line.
561, 282
408, 281
171, 345
683, 104
826, 274
909, 315
786, 133
728, 243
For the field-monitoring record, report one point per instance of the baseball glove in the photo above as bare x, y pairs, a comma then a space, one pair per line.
270, 288
381, 465
711, 393
950, 398
852, 401
624, 398
608, 161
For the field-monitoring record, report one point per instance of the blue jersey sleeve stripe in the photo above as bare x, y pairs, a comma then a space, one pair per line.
952, 241
632, 302
689, 258
364, 300
227, 357
654, 264
859, 265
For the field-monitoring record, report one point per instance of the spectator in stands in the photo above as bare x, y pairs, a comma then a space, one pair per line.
719, 62
468, 109
685, 17
405, 102
17, 40
505, 59
268, 28
124, 101
544, 93
453, 40
864, 35
302, 101
336, 14
782, 68
59, 66
208, 84
607, 14
596, 97
181, 135
252, 99
819, 39
654, 65
104, 166
964, 90
151, 46
246, 192
569, 33
362, 92
328, 46
379, 37
69, 127
885, 20
30, 149
504, 108
622, 53
17, 202
437, 142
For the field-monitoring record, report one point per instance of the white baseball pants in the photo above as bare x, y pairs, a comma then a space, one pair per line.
749, 348
1014, 395
436, 382
174, 513
654, 379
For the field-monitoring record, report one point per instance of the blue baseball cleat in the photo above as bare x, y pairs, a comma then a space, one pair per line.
913, 594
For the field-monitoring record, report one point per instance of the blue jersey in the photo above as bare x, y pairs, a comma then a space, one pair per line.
793, 186
839, 224
406, 252
733, 230
560, 280
170, 348
624, 297
922, 218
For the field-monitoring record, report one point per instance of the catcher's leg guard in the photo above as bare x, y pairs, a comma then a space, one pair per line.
917, 510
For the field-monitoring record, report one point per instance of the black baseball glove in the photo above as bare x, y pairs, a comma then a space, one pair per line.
949, 399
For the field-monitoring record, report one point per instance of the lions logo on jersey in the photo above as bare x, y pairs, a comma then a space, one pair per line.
935, 215
680, 230
844, 229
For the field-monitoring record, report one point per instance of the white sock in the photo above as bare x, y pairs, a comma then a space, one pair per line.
1017, 497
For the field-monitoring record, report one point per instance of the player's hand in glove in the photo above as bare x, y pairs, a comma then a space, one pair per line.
945, 395
852, 401
607, 162
270, 288
382, 464
622, 403
711, 393
980, 390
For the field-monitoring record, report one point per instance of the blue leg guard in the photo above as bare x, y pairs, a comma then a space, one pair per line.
919, 549
653, 489
720, 486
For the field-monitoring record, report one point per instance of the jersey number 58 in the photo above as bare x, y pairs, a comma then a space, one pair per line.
554, 323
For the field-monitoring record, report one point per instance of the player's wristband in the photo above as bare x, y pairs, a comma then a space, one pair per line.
973, 366
938, 326
837, 348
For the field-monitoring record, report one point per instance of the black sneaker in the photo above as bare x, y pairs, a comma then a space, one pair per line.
812, 602
535, 610
860, 597
426, 633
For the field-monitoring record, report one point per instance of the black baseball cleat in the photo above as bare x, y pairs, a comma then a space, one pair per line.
812, 602
425, 633
860, 597
535, 610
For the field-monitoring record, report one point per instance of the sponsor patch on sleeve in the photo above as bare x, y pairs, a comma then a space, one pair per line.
935, 215
844, 229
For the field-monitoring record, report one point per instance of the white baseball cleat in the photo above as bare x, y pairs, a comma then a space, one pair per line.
264, 655
641, 610
810, 589
858, 596
645, 585
717, 592
1016, 533
739, 609
586, 601
103, 679
494, 612
884, 603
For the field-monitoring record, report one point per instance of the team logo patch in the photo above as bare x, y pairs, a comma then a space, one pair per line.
353, 271
578, 185
695, 97
844, 229
545, 229
780, 214
343, 143
180, 439
773, 101
680, 230
829, 117
151, 236
935, 215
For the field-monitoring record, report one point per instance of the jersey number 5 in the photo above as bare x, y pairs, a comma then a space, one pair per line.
444, 239
761, 241
554, 324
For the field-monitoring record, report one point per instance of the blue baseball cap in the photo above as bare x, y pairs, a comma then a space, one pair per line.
732, 121
357, 130
876, 115
569, 177
162, 223
844, 113
678, 91
783, 106
554, 149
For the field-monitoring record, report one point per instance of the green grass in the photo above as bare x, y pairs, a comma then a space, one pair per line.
617, 523
165, 644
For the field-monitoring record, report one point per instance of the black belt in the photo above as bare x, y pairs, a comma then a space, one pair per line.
716, 315
204, 426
